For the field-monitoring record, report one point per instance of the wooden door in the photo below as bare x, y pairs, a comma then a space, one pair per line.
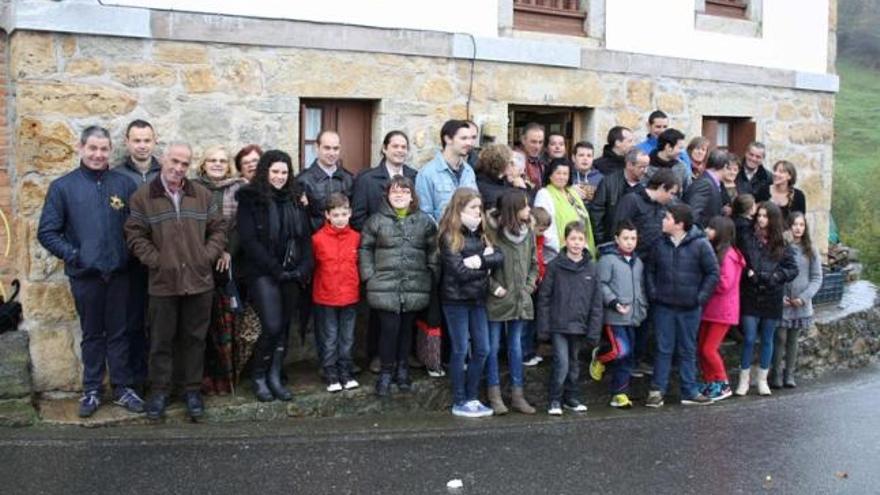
351, 119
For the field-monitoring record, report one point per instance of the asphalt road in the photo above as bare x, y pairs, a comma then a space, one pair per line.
822, 438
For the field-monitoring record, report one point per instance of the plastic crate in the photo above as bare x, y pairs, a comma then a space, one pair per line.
832, 288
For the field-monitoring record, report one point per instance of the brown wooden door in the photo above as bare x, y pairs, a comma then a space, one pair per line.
351, 119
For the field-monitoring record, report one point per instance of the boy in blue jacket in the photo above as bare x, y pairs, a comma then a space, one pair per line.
682, 273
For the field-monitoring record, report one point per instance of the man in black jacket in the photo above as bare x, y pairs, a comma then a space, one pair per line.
324, 177
82, 223
369, 186
646, 208
612, 188
704, 195
681, 276
620, 140
752, 176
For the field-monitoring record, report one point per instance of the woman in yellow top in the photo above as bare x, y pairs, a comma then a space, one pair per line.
563, 203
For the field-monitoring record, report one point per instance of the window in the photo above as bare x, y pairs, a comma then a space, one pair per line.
737, 9
569, 121
550, 16
729, 133
352, 119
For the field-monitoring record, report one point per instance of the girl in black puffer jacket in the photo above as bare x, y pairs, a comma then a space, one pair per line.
468, 257
770, 264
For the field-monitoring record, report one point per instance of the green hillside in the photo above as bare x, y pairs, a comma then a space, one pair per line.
855, 200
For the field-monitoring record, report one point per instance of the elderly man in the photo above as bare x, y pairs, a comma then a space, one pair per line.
176, 232
82, 223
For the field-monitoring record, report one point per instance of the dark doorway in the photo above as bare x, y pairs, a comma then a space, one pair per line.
352, 119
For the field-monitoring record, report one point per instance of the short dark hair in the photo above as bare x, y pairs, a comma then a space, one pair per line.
450, 129
93, 131
574, 226
582, 144
682, 213
717, 159
337, 200
532, 126
541, 216
656, 114
669, 137
555, 134
557, 163
245, 151
625, 224
403, 182
615, 134
664, 178
140, 124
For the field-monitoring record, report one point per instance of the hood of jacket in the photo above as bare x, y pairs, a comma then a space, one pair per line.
566, 263
661, 163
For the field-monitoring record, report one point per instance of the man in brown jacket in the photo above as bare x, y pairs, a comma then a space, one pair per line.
176, 233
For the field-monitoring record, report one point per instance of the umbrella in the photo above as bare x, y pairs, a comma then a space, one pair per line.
222, 331
247, 332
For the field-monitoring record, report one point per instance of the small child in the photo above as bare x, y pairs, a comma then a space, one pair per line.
335, 291
797, 304
681, 276
626, 306
569, 309
545, 254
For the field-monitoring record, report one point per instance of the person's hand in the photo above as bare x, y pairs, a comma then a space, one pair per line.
223, 262
304, 199
750, 274
473, 262
622, 308
519, 183
500, 292
786, 301
488, 251
589, 193
798, 302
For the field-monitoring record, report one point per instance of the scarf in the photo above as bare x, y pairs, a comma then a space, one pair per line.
283, 234
568, 207
516, 237
223, 191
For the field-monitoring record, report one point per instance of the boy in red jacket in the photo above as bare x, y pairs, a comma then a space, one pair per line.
335, 291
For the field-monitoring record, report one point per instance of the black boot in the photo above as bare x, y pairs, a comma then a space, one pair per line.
258, 377
383, 383
404, 384
275, 385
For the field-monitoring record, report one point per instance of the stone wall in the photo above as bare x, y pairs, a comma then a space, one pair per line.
230, 94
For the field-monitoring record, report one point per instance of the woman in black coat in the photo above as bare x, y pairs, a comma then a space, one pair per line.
494, 174
274, 235
770, 264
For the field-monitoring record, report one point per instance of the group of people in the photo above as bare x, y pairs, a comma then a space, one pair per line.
644, 253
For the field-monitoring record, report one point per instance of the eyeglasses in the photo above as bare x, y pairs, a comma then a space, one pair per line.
216, 160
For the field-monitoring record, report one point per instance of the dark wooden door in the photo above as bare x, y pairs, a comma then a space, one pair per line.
351, 119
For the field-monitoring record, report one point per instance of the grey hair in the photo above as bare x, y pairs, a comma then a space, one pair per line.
93, 131
632, 156
179, 144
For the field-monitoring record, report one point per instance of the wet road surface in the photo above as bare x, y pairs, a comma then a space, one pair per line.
823, 437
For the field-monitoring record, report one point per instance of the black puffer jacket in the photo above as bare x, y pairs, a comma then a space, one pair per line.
609, 193
318, 186
260, 253
493, 188
369, 192
761, 294
609, 161
463, 285
682, 276
570, 299
646, 214
398, 260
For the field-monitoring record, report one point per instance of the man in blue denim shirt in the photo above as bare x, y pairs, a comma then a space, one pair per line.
438, 179
82, 223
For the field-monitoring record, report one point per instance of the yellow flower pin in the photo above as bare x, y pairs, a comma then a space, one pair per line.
116, 202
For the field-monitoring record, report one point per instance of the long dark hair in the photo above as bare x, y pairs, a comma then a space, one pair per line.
774, 231
509, 205
806, 242
261, 178
725, 236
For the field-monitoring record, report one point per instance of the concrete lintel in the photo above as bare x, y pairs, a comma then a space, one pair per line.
77, 16
817, 82
517, 51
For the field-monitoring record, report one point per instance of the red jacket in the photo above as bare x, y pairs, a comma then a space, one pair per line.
723, 306
336, 279
539, 250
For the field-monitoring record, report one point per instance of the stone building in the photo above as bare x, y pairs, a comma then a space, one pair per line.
274, 72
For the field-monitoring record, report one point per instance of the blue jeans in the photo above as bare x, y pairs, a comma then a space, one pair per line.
566, 369
514, 351
675, 331
466, 322
335, 327
750, 326
621, 367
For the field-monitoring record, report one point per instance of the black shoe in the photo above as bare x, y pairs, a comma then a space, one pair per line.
383, 384
275, 385
261, 388
195, 408
402, 379
156, 406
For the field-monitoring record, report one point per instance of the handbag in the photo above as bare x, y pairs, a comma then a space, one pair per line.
10, 311
428, 342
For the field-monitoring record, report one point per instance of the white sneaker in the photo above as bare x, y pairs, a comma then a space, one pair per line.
334, 387
351, 384
534, 361
555, 409
436, 373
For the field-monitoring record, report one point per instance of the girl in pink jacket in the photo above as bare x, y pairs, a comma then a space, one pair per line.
722, 309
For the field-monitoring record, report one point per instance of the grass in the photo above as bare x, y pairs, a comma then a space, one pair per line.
855, 199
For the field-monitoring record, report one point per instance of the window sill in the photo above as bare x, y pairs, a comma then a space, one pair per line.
728, 25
